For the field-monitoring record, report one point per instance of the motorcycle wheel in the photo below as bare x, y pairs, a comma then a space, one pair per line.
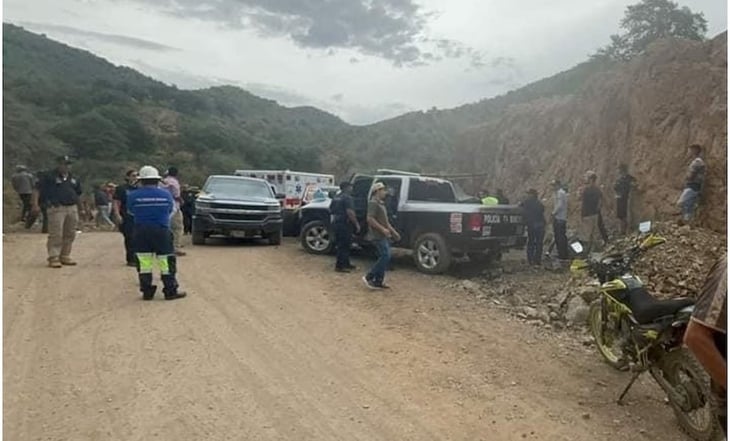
607, 341
694, 407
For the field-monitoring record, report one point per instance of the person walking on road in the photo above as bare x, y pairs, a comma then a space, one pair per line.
623, 186
152, 208
101, 201
560, 219
693, 183
124, 219
345, 225
172, 183
534, 216
61, 192
706, 334
591, 198
380, 232
23, 182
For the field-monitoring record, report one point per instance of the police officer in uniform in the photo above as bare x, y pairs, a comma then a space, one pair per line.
60, 192
152, 208
345, 223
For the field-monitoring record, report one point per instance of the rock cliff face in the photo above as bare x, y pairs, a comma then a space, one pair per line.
644, 113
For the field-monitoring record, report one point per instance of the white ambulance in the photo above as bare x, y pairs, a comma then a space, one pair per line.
290, 184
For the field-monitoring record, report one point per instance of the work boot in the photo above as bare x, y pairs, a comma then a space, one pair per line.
148, 293
65, 260
54, 262
176, 295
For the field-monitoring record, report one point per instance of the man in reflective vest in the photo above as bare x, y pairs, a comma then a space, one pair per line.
152, 208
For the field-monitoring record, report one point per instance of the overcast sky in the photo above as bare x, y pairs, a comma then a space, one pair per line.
363, 60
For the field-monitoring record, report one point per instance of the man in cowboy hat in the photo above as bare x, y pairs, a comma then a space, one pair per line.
60, 191
380, 232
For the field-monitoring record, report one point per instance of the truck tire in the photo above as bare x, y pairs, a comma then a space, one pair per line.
430, 254
317, 238
198, 237
275, 238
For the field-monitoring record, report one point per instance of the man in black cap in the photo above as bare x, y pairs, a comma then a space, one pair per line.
60, 192
345, 224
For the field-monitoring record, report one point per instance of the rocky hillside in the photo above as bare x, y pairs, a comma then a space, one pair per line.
644, 113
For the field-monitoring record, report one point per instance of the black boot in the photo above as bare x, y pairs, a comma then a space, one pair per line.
171, 288
148, 293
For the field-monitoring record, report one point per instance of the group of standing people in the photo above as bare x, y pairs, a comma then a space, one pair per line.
146, 207
592, 229
380, 232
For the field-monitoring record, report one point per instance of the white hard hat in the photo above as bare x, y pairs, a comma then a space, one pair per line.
149, 172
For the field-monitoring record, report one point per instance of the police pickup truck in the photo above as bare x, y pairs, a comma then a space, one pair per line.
433, 218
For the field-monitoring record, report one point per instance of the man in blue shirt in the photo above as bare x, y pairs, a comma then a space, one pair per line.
152, 208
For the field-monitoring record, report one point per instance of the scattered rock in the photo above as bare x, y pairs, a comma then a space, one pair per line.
530, 312
469, 285
577, 310
588, 294
586, 416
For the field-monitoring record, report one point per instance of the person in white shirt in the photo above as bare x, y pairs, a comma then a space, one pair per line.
560, 219
172, 184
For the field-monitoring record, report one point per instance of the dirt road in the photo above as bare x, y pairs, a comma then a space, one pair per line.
272, 345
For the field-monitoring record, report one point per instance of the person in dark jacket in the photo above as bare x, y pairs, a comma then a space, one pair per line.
534, 216
124, 217
622, 187
345, 224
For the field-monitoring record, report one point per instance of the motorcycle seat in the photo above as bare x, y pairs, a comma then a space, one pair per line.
646, 308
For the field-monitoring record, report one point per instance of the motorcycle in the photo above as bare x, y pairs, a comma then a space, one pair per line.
636, 332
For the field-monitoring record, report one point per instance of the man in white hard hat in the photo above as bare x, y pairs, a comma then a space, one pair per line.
152, 207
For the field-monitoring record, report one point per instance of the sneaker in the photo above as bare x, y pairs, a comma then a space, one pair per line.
177, 295
370, 284
55, 263
384, 286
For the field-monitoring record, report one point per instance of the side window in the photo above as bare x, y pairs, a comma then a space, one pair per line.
427, 190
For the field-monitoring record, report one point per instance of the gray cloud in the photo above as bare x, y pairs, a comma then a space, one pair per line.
390, 29
123, 40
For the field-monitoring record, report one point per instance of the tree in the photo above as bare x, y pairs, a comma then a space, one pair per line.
648, 21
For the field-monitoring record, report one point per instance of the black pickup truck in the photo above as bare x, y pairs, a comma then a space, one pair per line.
435, 223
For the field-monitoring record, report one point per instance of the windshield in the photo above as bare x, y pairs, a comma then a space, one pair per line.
235, 188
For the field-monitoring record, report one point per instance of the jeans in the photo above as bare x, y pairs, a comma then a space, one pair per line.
377, 272
561, 239
127, 229
343, 242
102, 215
25, 199
688, 202
535, 237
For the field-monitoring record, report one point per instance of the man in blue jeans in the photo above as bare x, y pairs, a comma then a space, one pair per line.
534, 216
693, 184
380, 232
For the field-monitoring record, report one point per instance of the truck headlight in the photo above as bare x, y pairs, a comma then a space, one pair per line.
202, 206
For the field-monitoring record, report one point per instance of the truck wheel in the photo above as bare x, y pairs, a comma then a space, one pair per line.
316, 238
431, 254
198, 237
275, 238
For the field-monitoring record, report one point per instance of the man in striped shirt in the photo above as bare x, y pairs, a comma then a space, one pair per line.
151, 207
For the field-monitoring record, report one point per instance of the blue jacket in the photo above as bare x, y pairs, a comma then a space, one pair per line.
151, 206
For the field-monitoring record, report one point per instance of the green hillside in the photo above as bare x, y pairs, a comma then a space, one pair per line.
59, 99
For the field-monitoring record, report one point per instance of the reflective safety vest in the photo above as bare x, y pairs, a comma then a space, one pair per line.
490, 200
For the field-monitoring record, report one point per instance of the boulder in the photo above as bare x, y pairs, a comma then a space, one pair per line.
577, 310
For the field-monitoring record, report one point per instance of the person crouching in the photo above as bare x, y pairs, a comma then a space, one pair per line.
152, 208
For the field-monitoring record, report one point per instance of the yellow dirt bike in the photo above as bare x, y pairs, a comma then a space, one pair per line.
635, 331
